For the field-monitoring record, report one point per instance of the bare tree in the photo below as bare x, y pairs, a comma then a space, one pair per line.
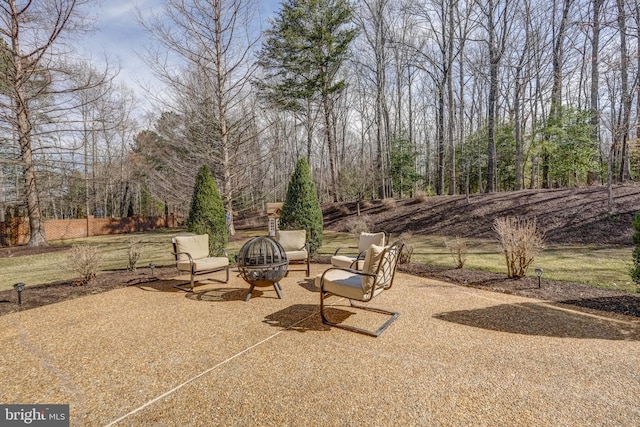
376, 33
212, 39
497, 26
38, 88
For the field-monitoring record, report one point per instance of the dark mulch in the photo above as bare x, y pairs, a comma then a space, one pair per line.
39, 295
587, 298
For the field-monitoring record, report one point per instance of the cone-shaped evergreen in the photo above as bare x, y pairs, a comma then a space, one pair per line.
207, 214
301, 208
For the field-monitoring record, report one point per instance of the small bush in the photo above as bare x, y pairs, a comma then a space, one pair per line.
344, 211
521, 241
407, 250
389, 203
135, 252
84, 260
405, 255
421, 196
358, 224
458, 249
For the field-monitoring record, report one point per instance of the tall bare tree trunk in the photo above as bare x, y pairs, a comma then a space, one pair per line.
497, 45
624, 172
24, 128
595, 82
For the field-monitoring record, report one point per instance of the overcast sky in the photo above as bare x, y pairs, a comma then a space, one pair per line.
121, 37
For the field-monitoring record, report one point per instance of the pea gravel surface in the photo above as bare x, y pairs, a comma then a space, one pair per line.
150, 355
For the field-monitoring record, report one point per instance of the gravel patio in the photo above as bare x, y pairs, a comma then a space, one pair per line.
149, 355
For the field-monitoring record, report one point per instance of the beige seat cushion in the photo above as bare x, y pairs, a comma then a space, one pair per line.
197, 246
204, 264
343, 283
296, 255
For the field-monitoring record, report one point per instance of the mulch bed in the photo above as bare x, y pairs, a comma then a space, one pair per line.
586, 298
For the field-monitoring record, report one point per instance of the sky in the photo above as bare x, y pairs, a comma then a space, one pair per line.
120, 35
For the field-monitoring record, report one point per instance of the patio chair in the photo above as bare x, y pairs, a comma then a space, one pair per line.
192, 254
295, 245
365, 240
362, 285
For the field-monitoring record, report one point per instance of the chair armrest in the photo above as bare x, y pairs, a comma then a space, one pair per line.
348, 270
344, 247
361, 255
183, 253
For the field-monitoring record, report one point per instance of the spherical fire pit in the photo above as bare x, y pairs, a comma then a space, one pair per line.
262, 262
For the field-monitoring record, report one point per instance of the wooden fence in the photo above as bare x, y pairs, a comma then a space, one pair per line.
16, 231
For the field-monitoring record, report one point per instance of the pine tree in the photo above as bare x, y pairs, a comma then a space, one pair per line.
635, 269
303, 56
207, 215
301, 208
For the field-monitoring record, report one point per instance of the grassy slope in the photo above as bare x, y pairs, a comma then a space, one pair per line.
431, 223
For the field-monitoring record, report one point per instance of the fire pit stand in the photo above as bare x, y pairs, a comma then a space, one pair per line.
262, 262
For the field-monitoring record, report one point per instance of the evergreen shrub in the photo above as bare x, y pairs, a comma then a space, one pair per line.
301, 208
207, 215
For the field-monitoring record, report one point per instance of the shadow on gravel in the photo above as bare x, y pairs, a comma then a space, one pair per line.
543, 320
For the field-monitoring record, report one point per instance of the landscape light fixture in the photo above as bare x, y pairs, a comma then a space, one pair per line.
152, 266
19, 287
539, 274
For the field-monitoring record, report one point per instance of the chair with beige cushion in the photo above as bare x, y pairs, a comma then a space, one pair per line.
365, 240
192, 254
295, 245
362, 285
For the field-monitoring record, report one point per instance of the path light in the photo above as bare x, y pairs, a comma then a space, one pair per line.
19, 287
152, 266
539, 274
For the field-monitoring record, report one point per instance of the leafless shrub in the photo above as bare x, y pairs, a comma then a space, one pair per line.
358, 224
458, 249
421, 196
344, 211
389, 203
407, 249
84, 260
405, 255
135, 252
521, 241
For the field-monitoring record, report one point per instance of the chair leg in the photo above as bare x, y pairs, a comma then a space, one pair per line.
183, 287
394, 315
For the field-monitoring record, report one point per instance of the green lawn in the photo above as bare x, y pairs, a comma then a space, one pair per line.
606, 267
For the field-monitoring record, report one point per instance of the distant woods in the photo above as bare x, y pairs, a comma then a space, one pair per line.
384, 98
